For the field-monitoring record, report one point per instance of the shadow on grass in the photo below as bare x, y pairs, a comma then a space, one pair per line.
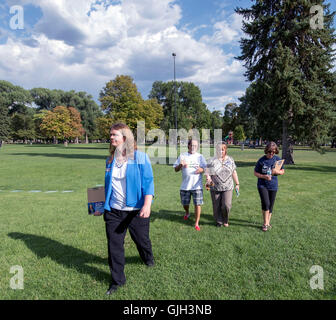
311, 168
67, 256
241, 164
63, 155
60, 146
206, 219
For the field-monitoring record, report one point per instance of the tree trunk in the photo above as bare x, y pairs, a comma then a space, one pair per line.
287, 146
86, 138
333, 143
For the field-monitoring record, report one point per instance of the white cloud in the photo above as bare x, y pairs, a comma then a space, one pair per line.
83, 44
225, 31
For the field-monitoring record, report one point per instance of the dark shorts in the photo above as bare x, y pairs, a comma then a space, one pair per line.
196, 194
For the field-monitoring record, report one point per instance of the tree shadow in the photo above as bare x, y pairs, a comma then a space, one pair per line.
62, 155
245, 163
67, 256
206, 219
61, 146
311, 168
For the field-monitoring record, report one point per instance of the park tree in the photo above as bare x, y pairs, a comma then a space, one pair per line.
122, 101
289, 61
47, 99
38, 119
239, 134
62, 123
23, 126
230, 118
183, 99
88, 108
104, 124
14, 98
216, 120
5, 123
77, 129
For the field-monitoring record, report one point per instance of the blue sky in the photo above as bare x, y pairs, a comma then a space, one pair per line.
82, 44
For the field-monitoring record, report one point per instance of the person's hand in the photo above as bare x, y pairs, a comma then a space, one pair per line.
97, 213
275, 172
145, 211
199, 170
237, 187
267, 177
184, 164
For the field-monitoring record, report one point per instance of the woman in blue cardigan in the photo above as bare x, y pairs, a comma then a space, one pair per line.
129, 191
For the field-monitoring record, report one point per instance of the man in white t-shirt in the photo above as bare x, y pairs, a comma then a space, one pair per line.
192, 164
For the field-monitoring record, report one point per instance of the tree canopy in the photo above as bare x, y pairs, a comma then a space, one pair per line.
289, 64
122, 101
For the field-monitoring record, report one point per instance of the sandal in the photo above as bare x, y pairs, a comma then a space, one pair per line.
264, 227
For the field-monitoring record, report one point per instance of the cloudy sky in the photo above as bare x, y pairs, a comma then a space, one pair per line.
82, 44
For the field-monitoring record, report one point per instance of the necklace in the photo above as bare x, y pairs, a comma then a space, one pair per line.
120, 162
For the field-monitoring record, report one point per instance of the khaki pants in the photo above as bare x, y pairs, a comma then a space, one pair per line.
221, 204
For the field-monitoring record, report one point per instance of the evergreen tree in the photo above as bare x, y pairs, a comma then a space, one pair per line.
289, 62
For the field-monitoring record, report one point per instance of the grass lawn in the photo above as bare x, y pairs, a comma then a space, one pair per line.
45, 229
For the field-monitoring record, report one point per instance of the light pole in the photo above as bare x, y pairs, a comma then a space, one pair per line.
174, 55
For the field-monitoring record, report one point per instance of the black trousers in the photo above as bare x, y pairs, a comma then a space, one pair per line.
267, 198
117, 222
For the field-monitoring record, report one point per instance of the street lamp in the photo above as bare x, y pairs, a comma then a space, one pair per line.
174, 55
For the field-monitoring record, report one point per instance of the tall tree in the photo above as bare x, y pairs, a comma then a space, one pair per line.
230, 118
191, 111
47, 99
14, 98
289, 63
122, 101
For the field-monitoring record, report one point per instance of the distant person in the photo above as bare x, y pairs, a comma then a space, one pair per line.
268, 181
0, 143
229, 138
221, 175
192, 165
129, 190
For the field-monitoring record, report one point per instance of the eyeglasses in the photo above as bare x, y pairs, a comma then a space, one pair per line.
270, 152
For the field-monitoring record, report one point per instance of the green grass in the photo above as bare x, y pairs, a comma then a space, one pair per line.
63, 251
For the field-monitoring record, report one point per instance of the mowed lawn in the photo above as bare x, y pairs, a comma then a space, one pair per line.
45, 229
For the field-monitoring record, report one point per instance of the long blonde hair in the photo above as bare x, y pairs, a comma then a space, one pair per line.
129, 146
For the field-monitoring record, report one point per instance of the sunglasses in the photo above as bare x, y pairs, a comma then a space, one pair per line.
270, 152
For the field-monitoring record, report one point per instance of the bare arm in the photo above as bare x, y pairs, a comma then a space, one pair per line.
262, 176
145, 210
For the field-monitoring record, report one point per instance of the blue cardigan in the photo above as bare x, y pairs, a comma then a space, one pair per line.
139, 180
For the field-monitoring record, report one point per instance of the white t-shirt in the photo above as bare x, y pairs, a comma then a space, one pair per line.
190, 179
118, 200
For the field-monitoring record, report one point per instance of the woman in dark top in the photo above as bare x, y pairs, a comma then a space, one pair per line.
268, 181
